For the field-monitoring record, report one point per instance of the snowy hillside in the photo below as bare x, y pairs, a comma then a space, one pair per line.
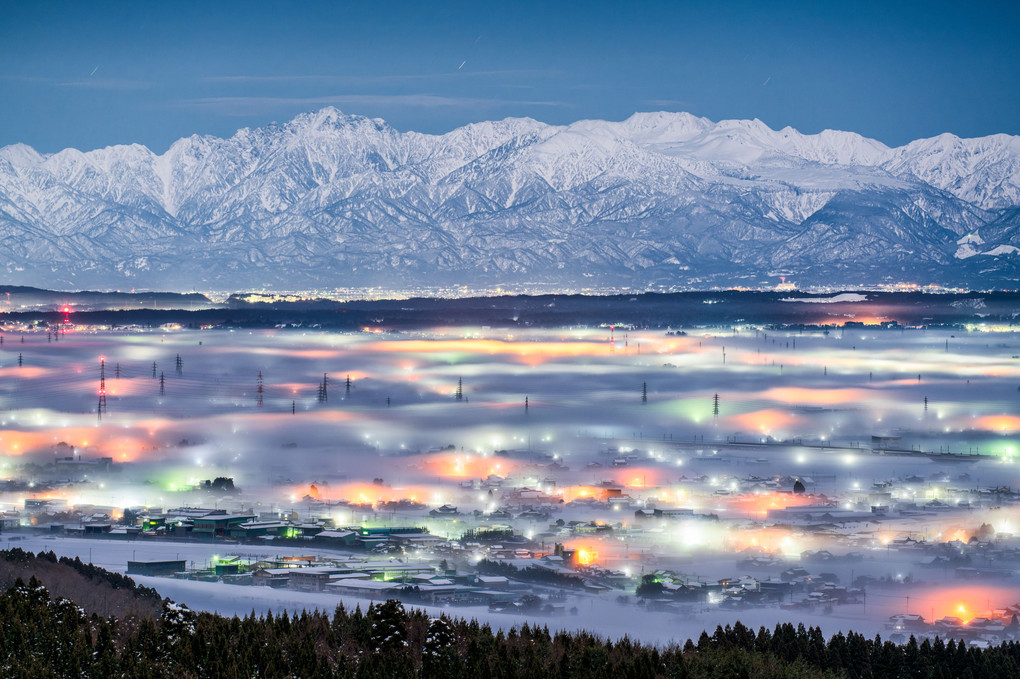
335, 200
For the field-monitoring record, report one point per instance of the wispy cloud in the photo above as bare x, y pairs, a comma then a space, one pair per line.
668, 103
107, 84
375, 79
24, 78
241, 106
87, 83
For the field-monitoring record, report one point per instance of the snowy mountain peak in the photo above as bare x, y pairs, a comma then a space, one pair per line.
984, 170
662, 126
659, 198
20, 155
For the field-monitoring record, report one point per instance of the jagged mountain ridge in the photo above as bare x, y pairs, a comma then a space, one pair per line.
659, 199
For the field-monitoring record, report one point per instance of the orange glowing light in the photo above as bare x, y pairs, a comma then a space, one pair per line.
759, 504
361, 492
965, 603
571, 493
802, 395
597, 550
765, 420
26, 372
1001, 423
768, 540
464, 465
641, 477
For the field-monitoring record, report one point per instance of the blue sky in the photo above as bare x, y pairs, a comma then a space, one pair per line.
89, 75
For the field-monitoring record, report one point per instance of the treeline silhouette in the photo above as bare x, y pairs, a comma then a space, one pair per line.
95, 589
43, 636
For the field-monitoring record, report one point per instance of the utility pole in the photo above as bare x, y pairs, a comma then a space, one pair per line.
715, 405
460, 389
162, 384
102, 387
348, 385
153, 370
180, 366
525, 405
260, 389
644, 392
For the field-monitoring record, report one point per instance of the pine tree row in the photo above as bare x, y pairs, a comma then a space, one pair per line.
42, 637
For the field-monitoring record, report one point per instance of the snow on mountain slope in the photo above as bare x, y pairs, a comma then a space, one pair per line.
983, 171
659, 199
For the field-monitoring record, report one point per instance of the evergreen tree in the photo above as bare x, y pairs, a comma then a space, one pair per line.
439, 652
388, 625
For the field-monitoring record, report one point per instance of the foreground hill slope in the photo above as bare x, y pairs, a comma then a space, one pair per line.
42, 636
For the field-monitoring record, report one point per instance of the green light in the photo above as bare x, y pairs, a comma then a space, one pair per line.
695, 410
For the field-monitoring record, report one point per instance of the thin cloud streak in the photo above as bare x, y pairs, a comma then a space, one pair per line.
89, 82
241, 106
107, 84
25, 78
367, 79
668, 102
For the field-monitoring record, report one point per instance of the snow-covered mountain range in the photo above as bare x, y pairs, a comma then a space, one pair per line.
661, 199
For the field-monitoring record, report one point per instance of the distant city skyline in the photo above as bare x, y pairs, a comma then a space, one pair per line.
88, 76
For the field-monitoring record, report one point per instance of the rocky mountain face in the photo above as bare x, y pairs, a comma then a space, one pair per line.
332, 200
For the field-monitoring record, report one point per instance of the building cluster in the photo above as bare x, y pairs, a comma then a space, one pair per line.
1000, 625
785, 543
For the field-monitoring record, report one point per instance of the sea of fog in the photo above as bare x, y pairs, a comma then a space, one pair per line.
675, 420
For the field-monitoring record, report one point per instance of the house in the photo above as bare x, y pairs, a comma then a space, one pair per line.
907, 621
338, 537
497, 582
380, 537
367, 588
411, 541
254, 529
156, 568
674, 513
276, 578
97, 528
305, 530
314, 578
219, 525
